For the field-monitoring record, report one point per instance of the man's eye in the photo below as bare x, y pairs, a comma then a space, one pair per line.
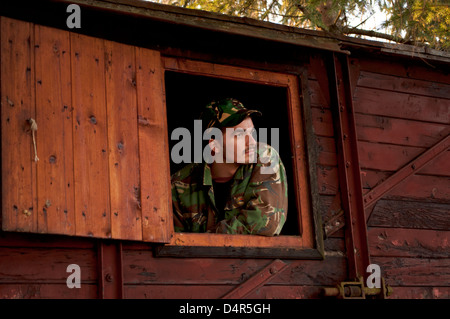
239, 133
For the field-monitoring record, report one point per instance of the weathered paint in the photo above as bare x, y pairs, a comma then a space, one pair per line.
401, 109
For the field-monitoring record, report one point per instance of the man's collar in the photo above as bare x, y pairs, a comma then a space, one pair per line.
207, 177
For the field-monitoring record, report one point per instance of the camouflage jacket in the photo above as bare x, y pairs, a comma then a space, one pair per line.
257, 205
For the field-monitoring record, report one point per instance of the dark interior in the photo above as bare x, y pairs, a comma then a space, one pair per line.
187, 95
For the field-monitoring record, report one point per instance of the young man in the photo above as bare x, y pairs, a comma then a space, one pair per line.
243, 190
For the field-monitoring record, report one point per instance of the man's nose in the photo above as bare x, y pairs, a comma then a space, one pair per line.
250, 140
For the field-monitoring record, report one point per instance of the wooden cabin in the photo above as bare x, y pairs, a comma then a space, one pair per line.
87, 115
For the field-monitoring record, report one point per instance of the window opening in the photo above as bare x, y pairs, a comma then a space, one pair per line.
187, 95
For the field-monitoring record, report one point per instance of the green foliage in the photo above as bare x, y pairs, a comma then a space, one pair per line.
419, 22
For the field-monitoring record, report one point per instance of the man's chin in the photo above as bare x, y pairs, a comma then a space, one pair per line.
248, 158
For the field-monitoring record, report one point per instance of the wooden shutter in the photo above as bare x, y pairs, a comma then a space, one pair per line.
101, 138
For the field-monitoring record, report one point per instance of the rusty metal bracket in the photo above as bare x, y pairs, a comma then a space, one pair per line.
256, 281
356, 290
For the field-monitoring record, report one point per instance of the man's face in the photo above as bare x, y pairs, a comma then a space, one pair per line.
239, 144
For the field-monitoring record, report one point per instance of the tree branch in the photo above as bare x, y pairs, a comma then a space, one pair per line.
375, 34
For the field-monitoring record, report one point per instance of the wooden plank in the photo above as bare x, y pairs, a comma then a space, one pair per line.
156, 199
371, 178
387, 157
92, 203
126, 221
47, 291
403, 69
327, 179
144, 269
319, 97
334, 219
215, 291
423, 272
56, 207
410, 214
256, 281
422, 186
317, 70
45, 265
19, 201
331, 244
415, 187
434, 188
406, 171
326, 151
354, 70
235, 241
381, 129
227, 72
301, 171
401, 105
175, 291
322, 122
10, 239
287, 292
400, 242
405, 85
437, 166
312, 157
406, 292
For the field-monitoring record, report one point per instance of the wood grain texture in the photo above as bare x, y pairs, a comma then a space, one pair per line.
91, 174
401, 105
19, 195
142, 269
403, 84
409, 214
55, 182
45, 265
403, 69
47, 291
124, 185
156, 198
422, 272
382, 129
408, 292
400, 242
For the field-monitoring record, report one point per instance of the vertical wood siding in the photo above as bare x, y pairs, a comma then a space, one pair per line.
83, 94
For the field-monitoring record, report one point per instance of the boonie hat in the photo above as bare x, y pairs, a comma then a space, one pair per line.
225, 113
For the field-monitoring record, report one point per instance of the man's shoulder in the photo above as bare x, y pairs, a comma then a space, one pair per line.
267, 153
187, 174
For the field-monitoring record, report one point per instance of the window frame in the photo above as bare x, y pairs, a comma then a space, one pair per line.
309, 244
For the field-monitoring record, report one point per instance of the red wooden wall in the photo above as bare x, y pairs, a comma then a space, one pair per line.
401, 110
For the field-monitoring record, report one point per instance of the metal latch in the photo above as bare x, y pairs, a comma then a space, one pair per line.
356, 290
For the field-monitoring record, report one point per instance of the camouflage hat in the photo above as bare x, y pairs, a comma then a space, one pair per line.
225, 113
